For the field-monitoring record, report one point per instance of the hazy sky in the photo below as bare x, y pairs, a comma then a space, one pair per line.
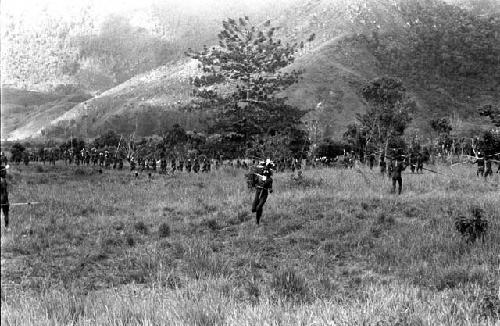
29, 8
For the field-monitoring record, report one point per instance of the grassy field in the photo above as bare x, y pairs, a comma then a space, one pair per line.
334, 249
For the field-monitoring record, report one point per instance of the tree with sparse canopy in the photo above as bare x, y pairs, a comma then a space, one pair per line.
242, 79
389, 111
443, 128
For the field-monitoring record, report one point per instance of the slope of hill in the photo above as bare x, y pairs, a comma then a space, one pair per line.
24, 113
129, 106
330, 75
345, 54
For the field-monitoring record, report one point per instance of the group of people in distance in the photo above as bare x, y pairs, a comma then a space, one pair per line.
260, 175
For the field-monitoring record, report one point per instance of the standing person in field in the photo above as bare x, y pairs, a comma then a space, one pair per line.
488, 171
412, 162
173, 165
153, 164
371, 161
390, 167
3, 158
132, 164
196, 166
397, 169
4, 195
420, 163
163, 164
264, 186
480, 164
383, 165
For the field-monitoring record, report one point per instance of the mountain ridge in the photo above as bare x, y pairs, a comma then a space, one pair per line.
337, 63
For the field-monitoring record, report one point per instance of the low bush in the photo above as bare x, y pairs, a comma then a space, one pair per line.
164, 230
211, 224
141, 227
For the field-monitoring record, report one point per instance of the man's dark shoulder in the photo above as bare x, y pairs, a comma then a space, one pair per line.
3, 185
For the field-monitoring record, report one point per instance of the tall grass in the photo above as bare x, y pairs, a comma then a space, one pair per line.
336, 248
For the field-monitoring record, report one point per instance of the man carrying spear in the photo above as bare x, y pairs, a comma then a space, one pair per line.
398, 167
4, 195
480, 164
264, 186
488, 171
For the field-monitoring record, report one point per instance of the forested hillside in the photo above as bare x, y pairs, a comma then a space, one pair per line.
446, 55
96, 47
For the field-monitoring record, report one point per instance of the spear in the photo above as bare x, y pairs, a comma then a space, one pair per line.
433, 171
429, 170
23, 204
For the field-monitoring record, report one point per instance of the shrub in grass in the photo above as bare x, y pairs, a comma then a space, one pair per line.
411, 211
243, 216
291, 286
164, 230
141, 227
489, 303
368, 206
87, 211
168, 209
456, 277
118, 225
382, 218
362, 215
365, 206
211, 224
80, 172
140, 269
331, 247
129, 239
253, 293
178, 250
171, 281
39, 169
472, 228
381, 224
209, 208
112, 241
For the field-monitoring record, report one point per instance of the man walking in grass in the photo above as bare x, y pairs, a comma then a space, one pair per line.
4, 195
397, 169
488, 171
382, 164
264, 186
420, 163
480, 165
372, 161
